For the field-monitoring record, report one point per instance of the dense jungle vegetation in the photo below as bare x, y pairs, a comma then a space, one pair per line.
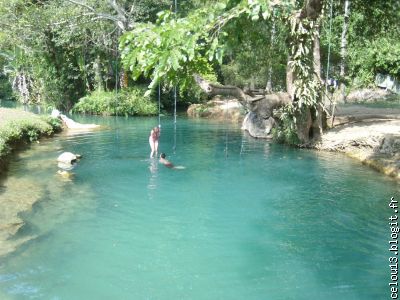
58, 52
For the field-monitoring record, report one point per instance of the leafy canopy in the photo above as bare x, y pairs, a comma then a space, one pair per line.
174, 49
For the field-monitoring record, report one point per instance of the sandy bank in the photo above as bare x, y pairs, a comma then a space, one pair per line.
371, 135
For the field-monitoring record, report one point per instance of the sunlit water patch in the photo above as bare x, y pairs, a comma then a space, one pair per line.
246, 219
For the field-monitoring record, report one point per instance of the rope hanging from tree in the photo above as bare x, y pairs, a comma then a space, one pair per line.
159, 105
174, 147
226, 129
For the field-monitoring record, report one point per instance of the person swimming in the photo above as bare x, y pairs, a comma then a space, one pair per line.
167, 163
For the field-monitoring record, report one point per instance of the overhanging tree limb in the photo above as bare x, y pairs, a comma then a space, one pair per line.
268, 102
217, 89
120, 20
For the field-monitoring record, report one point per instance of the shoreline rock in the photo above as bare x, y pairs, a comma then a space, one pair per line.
258, 127
217, 109
370, 135
374, 142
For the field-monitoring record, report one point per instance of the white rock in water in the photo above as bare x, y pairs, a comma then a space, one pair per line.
67, 158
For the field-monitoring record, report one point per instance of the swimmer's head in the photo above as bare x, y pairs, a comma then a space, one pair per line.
162, 155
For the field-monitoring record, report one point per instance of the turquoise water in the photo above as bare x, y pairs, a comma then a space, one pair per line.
246, 219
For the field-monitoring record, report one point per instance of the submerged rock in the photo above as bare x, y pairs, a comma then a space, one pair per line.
68, 158
66, 163
19, 196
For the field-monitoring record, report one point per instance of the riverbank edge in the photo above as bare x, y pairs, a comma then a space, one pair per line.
373, 142
366, 148
383, 164
19, 128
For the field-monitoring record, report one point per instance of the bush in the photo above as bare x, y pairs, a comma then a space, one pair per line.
6, 92
25, 128
128, 102
285, 131
55, 123
376, 56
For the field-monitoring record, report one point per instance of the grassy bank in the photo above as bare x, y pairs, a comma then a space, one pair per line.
18, 127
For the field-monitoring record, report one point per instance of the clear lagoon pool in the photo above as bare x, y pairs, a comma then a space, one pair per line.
246, 219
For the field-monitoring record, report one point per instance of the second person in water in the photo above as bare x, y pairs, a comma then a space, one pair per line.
168, 164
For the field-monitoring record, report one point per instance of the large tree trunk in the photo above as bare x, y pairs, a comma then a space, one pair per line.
343, 47
318, 114
308, 121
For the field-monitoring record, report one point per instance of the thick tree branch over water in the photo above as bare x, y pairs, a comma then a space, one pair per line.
223, 90
264, 104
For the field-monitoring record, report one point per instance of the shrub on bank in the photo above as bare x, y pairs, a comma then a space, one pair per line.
129, 102
27, 127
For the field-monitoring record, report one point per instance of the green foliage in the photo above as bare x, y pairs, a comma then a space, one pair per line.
194, 93
172, 50
5, 89
127, 102
373, 44
55, 123
262, 47
285, 132
25, 129
56, 43
306, 88
378, 56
